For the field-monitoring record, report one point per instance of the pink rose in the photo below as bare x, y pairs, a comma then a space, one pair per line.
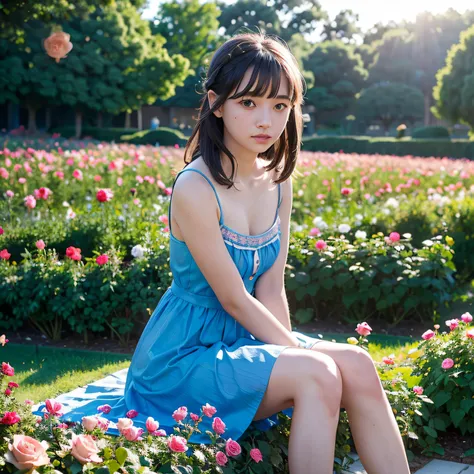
7, 369
10, 418
209, 410
151, 424
466, 317
218, 425
9, 193
178, 444
428, 334
27, 453
320, 244
452, 323
104, 195
5, 254
102, 259
163, 218
84, 449
89, 422
3, 339
53, 407
221, 458
388, 360
447, 363
77, 174
30, 201
103, 424
40, 245
8, 391
73, 253
42, 193
314, 231
1, 230
58, 45
256, 455
194, 417
232, 448
470, 333
394, 236
12, 385
104, 408
346, 191
180, 414
133, 433
418, 390
363, 329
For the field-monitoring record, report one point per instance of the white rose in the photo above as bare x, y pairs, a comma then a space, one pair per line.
360, 234
138, 251
344, 228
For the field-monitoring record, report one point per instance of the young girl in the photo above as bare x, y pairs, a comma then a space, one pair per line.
221, 333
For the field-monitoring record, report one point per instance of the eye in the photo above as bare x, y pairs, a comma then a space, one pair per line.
249, 100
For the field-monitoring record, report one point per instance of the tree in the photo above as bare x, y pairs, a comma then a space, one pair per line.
284, 18
116, 65
389, 103
393, 59
378, 31
343, 27
454, 91
191, 27
338, 75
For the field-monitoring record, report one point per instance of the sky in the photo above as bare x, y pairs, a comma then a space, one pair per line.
371, 11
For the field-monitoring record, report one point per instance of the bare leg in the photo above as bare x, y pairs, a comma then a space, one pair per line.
313, 427
373, 425
312, 383
375, 433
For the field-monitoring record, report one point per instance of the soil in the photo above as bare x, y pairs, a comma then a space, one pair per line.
453, 443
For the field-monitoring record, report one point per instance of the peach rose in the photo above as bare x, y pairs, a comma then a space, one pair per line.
124, 424
84, 449
89, 422
58, 45
27, 453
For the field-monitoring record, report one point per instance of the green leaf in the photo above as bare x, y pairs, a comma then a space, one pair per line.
469, 452
439, 424
430, 431
457, 415
121, 454
441, 398
304, 315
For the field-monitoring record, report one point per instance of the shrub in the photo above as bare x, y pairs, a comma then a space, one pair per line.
164, 136
431, 132
447, 372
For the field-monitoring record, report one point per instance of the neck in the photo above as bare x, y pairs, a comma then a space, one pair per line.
248, 168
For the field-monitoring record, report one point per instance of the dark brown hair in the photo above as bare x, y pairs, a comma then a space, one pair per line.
270, 56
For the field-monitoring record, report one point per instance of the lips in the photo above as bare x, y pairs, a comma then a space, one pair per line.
261, 136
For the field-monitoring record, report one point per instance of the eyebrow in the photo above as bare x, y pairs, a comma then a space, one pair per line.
281, 96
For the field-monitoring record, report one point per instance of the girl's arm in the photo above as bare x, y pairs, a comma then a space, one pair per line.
270, 287
196, 212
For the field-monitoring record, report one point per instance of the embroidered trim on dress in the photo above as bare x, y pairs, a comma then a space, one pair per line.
251, 240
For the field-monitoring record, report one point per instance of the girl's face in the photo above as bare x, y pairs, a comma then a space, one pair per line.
247, 116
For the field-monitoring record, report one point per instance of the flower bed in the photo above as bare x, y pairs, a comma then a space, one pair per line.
440, 366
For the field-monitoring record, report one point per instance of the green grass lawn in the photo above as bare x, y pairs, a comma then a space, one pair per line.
45, 372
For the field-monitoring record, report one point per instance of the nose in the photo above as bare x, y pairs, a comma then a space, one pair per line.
264, 119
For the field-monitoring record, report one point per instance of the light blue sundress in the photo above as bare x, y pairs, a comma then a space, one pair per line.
193, 352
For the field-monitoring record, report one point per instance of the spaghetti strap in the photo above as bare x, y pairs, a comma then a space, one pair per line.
221, 220
279, 200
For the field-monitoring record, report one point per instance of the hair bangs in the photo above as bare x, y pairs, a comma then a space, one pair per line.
266, 73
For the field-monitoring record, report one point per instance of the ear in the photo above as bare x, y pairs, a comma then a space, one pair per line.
211, 97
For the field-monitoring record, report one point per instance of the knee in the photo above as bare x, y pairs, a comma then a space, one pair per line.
361, 371
325, 374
